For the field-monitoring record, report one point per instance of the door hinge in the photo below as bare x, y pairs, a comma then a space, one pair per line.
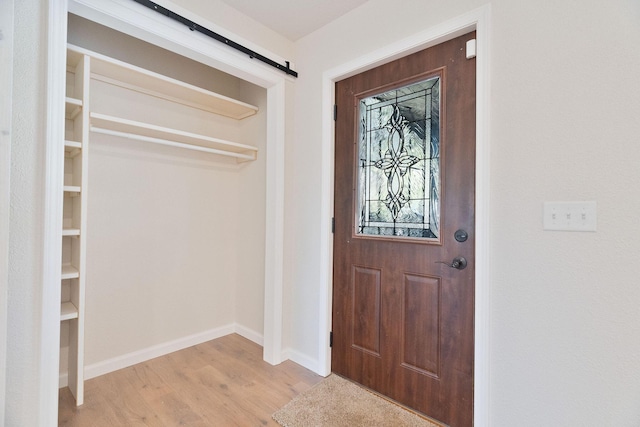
331, 339
335, 112
333, 225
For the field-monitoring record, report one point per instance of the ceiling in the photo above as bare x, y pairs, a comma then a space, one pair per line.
294, 18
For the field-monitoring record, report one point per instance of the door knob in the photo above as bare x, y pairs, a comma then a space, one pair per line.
459, 263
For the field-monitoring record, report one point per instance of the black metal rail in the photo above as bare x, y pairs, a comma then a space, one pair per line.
207, 32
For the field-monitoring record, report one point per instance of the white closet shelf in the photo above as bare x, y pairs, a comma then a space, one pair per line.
73, 106
70, 231
72, 148
72, 144
69, 272
68, 311
135, 78
73, 59
109, 125
72, 189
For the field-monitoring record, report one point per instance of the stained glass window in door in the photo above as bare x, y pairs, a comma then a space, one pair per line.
399, 162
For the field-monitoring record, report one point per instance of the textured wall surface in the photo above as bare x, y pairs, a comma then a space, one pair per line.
6, 87
564, 306
25, 238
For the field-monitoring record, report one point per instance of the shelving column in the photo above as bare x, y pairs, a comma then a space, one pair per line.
74, 222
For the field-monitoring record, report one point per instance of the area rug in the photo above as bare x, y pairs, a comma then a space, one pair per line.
336, 402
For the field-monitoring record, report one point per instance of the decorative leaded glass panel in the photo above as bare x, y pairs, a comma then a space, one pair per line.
399, 162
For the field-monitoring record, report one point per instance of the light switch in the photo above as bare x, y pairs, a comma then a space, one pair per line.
570, 216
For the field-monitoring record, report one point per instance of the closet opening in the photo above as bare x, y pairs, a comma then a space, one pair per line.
174, 236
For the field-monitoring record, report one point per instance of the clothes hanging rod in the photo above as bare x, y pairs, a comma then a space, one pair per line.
207, 32
160, 141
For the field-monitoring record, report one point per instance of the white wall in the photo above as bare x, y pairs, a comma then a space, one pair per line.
6, 86
565, 307
564, 107
251, 211
22, 402
158, 267
242, 29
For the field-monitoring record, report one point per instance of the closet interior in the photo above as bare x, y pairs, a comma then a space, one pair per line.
164, 203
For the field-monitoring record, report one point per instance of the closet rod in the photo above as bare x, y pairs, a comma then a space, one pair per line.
207, 32
171, 143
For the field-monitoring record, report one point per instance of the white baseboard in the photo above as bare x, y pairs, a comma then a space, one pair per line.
249, 334
301, 359
139, 356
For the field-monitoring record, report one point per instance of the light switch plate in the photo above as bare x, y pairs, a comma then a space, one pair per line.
569, 216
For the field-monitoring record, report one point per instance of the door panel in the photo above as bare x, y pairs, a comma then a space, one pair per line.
366, 307
402, 316
421, 324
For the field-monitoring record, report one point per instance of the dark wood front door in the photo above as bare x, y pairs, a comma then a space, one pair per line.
403, 310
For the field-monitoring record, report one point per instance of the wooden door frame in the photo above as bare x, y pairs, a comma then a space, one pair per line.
143, 23
478, 20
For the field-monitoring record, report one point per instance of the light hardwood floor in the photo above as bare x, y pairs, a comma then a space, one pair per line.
223, 382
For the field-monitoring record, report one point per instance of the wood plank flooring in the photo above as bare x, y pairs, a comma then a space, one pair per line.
223, 382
